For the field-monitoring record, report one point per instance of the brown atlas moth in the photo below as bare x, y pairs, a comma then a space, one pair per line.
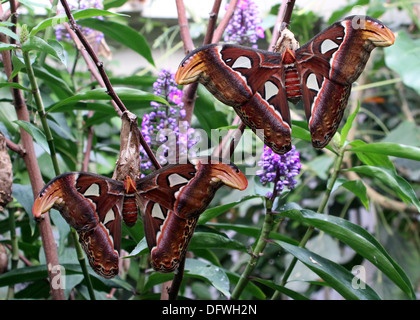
258, 84
170, 199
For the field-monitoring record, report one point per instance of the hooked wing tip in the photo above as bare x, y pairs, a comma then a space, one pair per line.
46, 199
230, 175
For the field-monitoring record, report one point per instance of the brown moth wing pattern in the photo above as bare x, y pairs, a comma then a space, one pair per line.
329, 64
249, 80
171, 200
92, 205
231, 73
268, 110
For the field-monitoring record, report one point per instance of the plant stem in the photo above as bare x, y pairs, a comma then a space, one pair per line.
258, 250
321, 208
40, 106
15, 251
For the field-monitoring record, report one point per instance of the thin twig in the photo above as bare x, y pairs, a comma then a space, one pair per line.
224, 22
15, 147
184, 27
110, 90
99, 64
212, 21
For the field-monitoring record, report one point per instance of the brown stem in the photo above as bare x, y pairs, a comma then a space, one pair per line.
212, 21
225, 21
15, 148
99, 64
184, 27
110, 90
176, 283
34, 174
283, 20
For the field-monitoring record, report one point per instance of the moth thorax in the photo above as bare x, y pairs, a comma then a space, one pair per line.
286, 41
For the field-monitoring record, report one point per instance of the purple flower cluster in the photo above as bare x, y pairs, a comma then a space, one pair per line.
244, 26
280, 169
165, 129
60, 31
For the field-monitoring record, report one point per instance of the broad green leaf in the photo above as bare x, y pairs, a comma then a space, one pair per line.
347, 126
390, 149
100, 94
390, 178
403, 58
301, 130
216, 211
36, 134
369, 158
250, 231
80, 105
9, 33
113, 3
122, 33
355, 186
290, 293
206, 240
359, 240
55, 82
81, 14
334, 274
141, 248
13, 85
8, 46
212, 274
38, 44
406, 131
22, 275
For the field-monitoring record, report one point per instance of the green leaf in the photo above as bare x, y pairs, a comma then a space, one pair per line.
403, 58
38, 44
334, 274
290, 293
8, 46
81, 14
52, 80
370, 158
36, 134
347, 126
9, 33
250, 231
206, 240
390, 149
23, 275
212, 274
141, 248
359, 240
216, 211
388, 177
100, 94
122, 33
355, 186
113, 3
13, 85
